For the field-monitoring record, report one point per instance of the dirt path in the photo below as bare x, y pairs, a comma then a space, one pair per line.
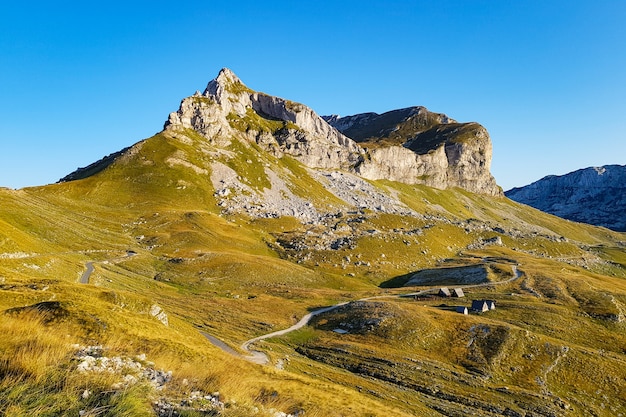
259, 357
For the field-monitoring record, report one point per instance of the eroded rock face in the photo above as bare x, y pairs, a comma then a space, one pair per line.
411, 149
415, 146
469, 161
397, 163
227, 108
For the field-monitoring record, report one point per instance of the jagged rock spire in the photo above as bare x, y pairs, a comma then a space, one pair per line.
225, 80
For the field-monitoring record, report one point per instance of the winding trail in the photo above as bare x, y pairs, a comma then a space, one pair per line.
89, 266
84, 279
256, 356
260, 357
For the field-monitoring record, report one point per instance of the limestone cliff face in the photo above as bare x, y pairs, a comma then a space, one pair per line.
469, 160
416, 146
411, 146
592, 195
397, 163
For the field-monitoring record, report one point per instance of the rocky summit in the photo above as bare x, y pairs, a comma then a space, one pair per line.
228, 108
595, 195
413, 146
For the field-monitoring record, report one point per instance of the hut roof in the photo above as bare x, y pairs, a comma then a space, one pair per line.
480, 305
461, 309
458, 292
444, 292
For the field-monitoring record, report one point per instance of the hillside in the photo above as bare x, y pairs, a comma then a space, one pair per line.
591, 195
235, 223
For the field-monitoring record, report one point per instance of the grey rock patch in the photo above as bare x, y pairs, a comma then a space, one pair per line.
359, 193
131, 370
158, 313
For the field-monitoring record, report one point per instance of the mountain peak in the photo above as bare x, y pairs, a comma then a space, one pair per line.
226, 83
227, 73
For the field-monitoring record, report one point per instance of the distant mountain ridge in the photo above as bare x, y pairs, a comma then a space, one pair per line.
595, 195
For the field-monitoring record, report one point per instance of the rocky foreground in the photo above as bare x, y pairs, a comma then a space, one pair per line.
138, 370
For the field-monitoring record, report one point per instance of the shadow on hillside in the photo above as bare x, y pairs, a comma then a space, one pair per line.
94, 168
396, 282
48, 311
318, 307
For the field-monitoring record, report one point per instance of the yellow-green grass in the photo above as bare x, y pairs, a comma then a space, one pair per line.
525, 345
39, 375
36, 375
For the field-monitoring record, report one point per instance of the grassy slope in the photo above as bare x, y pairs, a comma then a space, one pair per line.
219, 274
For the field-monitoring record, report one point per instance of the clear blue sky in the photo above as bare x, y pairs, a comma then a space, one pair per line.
79, 80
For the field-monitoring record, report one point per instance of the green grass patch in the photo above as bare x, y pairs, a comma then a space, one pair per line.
248, 164
254, 121
238, 87
202, 100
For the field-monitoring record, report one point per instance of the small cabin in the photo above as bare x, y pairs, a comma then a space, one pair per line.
462, 310
480, 306
444, 292
458, 293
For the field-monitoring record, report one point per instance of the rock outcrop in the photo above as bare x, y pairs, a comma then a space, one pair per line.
591, 195
228, 108
415, 146
411, 145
